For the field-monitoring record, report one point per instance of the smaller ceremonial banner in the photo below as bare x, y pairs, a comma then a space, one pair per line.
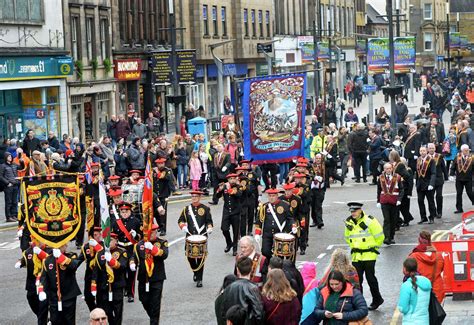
273, 111
147, 201
378, 56
52, 210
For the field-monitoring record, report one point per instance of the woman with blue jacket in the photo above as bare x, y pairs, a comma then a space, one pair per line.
415, 295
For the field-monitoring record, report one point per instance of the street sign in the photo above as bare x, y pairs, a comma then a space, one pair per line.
267, 48
336, 57
186, 66
440, 57
369, 88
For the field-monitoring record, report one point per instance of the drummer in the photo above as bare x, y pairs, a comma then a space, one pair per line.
134, 177
273, 217
196, 219
296, 206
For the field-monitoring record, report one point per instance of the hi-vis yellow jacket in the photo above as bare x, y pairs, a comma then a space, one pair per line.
364, 236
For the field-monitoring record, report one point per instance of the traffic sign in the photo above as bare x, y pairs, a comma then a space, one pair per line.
369, 88
267, 48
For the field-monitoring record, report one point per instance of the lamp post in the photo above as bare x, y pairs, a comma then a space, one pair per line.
448, 36
220, 72
267, 56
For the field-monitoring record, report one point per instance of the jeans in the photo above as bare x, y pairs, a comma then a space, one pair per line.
182, 175
11, 201
284, 168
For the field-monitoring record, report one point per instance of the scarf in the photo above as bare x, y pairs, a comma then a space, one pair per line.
421, 248
331, 305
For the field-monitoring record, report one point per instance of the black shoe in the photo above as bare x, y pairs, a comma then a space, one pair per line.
372, 183
357, 180
162, 233
342, 183
365, 181
321, 225
234, 253
422, 221
392, 242
375, 305
194, 278
397, 228
431, 221
302, 252
212, 203
11, 220
227, 248
458, 211
199, 284
130, 299
405, 224
313, 225
354, 177
439, 216
386, 242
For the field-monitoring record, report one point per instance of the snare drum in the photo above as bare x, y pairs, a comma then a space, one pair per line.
284, 245
196, 246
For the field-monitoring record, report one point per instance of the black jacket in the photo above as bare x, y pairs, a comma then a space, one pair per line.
460, 175
357, 142
412, 146
423, 181
159, 273
246, 294
30, 145
441, 170
8, 174
67, 278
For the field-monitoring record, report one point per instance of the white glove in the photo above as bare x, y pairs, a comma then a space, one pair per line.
258, 238
18, 265
451, 178
42, 296
294, 230
93, 242
324, 152
36, 250
133, 233
319, 178
329, 156
148, 245
379, 205
94, 293
368, 140
108, 256
133, 267
209, 230
430, 188
398, 203
56, 252
20, 233
415, 157
161, 210
184, 229
224, 168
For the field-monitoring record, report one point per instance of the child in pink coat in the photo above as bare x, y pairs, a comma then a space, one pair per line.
195, 170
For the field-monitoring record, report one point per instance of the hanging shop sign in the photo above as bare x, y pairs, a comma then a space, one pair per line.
128, 69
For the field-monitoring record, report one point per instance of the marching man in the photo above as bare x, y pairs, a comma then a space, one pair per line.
196, 219
462, 167
425, 184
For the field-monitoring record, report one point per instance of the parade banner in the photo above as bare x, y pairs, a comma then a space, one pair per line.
361, 47
52, 210
323, 51
464, 45
273, 112
405, 54
378, 56
306, 46
104, 215
147, 201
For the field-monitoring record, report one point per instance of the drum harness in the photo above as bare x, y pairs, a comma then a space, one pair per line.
199, 229
279, 225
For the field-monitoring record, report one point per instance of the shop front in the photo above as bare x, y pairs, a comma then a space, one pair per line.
128, 73
33, 95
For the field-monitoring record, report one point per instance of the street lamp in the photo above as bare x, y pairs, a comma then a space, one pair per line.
268, 57
448, 36
220, 72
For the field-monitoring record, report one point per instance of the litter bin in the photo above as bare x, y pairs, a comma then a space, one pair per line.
198, 125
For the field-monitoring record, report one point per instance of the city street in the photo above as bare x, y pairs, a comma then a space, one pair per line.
183, 303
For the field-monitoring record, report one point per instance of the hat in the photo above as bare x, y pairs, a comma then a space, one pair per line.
125, 206
93, 164
97, 228
289, 186
302, 160
299, 175
36, 152
115, 192
272, 191
354, 206
302, 165
245, 161
68, 152
113, 235
196, 192
241, 168
136, 171
114, 177
160, 160
232, 175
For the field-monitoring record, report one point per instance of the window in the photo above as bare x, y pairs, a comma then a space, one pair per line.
104, 48
260, 22
89, 37
224, 23
428, 41
427, 11
24, 11
214, 20
75, 37
246, 22
267, 22
204, 18
254, 26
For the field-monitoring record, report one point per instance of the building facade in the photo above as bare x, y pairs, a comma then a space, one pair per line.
33, 69
462, 21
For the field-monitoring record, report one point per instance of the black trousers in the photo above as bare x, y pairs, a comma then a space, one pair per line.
129, 275
267, 245
317, 205
368, 267
412, 165
271, 182
243, 220
65, 317
439, 199
390, 220
460, 185
88, 297
40, 308
374, 169
359, 159
151, 300
228, 221
429, 195
194, 264
114, 308
163, 218
303, 239
405, 210
251, 215
11, 201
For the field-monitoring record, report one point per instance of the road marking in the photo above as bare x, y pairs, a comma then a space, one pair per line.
3, 244
9, 246
179, 201
375, 200
9, 228
320, 256
330, 247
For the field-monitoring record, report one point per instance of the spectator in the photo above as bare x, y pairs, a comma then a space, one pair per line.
245, 293
341, 262
315, 125
344, 155
218, 304
195, 170
470, 95
228, 107
112, 130
37, 164
203, 157
98, 317
10, 184
189, 112
139, 129
135, 157
182, 126
122, 128
236, 315
357, 145
350, 117
414, 295
66, 143
120, 158
53, 140
294, 277
157, 112
453, 149
308, 140
280, 302
22, 161
382, 116
439, 104
375, 154
182, 159
232, 127
12, 148
108, 150
311, 292
422, 114
430, 263
30, 143
153, 125
401, 109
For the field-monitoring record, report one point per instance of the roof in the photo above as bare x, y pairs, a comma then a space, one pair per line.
372, 14
461, 6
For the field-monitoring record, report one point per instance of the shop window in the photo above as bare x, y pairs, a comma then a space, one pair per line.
53, 116
2, 101
12, 97
31, 97
21, 11
76, 118
52, 95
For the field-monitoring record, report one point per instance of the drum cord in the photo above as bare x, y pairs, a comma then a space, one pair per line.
203, 259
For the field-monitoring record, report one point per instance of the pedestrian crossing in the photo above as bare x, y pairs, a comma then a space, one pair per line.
7, 246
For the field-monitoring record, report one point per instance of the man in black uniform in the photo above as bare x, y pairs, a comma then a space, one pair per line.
273, 217
319, 184
303, 191
60, 267
253, 176
32, 258
295, 208
196, 219
441, 176
150, 256
425, 183
231, 211
244, 199
221, 167
462, 167
412, 147
88, 252
109, 276
128, 230
164, 186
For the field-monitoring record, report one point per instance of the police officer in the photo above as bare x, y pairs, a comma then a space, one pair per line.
273, 217
196, 219
149, 257
231, 211
425, 183
295, 207
364, 235
60, 268
163, 186
110, 288
128, 230
441, 176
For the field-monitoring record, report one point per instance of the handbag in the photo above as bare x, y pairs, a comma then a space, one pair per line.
436, 311
363, 321
446, 147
